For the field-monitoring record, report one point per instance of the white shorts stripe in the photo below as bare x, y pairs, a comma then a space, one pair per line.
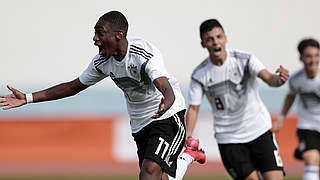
177, 139
182, 132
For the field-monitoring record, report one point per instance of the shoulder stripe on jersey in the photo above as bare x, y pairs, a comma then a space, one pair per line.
200, 66
139, 53
196, 80
98, 70
240, 55
99, 61
141, 49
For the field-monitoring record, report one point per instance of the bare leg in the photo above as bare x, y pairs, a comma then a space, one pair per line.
150, 170
311, 159
273, 175
165, 176
253, 176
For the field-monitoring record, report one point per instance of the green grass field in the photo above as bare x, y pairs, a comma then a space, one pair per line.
117, 178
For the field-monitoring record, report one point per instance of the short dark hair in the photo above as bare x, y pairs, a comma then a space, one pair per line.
208, 25
116, 20
306, 43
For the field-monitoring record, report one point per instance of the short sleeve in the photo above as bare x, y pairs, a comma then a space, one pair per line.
155, 67
195, 93
292, 89
255, 65
91, 75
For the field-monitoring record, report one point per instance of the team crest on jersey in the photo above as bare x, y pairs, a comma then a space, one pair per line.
133, 70
235, 76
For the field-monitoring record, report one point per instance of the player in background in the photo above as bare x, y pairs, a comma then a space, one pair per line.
154, 101
305, 84
228, 78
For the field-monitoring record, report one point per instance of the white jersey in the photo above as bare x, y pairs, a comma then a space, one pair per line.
134, 75
232, 90
308, 91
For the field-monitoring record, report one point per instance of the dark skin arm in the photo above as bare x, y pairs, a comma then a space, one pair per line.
62, 90
163, 85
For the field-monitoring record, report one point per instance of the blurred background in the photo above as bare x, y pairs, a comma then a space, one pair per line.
43, 43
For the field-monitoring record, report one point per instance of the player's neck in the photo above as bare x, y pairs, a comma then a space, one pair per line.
121, 50
311, 74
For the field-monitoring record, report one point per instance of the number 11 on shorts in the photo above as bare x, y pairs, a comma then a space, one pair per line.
162, 141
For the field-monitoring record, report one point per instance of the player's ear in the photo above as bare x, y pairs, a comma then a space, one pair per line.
120, 35
203, 44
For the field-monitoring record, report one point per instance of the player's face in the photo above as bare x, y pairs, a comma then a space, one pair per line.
215, 41
310, 59
105, 39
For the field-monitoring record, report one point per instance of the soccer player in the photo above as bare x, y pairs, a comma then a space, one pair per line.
306, 84
229, 79
154, 101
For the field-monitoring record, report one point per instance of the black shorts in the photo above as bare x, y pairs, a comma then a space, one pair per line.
308, 140
162, 141
242, 159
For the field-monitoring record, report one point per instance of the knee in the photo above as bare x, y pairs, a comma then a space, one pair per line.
273, 175
150, 169
253, 176
311, 157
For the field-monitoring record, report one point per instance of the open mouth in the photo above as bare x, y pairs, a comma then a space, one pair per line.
100, 49
217, 49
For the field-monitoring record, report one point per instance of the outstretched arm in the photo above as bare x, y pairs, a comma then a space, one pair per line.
163, 85
274, 80
191, 119
62, 90
285, 109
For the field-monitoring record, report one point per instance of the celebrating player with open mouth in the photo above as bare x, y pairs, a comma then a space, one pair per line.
154, 99
228, 78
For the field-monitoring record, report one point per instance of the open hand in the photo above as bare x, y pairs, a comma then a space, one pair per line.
161, 109
13, 100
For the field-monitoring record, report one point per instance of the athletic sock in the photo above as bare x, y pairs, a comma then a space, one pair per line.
182, 165
311, 173
260, 175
